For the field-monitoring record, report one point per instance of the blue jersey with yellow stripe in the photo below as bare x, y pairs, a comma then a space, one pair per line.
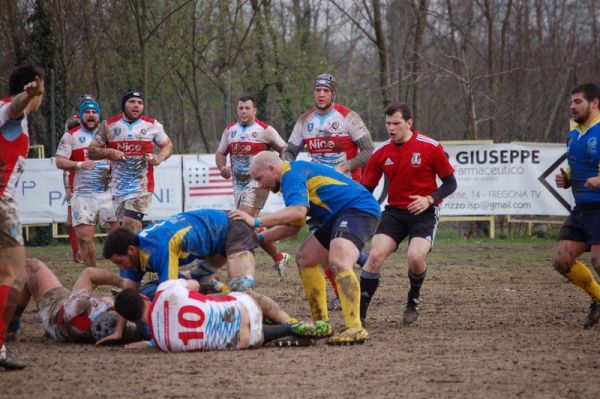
179, 239
324, 191
583, 155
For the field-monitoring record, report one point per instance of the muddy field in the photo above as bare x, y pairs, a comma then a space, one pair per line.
497, 322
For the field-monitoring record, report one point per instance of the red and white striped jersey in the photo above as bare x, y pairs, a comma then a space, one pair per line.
134, 174
242, 143
14, 147
188, 321
331, 138
74, 146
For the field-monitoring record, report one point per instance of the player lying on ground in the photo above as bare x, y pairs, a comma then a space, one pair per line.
181, 319
70, 316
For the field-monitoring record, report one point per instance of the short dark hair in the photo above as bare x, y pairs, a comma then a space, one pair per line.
399, 107
248, 97
130, 304
118, 241
22, 75
590, 91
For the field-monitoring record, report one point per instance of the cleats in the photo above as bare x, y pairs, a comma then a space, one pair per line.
411, 310
319, 329
282, 265
349, 336
334, 304
8, 361
293, 342
594, 314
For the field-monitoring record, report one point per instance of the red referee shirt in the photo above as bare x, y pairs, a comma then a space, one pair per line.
411, 169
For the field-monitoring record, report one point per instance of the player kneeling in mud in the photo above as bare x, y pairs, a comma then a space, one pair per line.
180, 319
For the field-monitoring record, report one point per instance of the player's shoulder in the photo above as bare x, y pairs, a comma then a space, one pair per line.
306, 116
342, 109
383, 147
262, 124
114, 119
231, 125
74, 130
420, 137
148, 119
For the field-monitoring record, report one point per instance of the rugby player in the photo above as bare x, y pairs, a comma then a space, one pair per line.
335, 136
128, 140
242, 141
347, 216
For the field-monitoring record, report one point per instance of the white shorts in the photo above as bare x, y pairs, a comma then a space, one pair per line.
255, 316
138, 202
92, 208
253, 197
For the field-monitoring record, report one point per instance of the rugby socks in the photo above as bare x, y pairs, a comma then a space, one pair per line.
315, 290
416, 280
331, 278
8, 303
582, 277
274, 331
349, 298
368, 285
362, 258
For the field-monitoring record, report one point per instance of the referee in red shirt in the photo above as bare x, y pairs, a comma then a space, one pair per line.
411, 162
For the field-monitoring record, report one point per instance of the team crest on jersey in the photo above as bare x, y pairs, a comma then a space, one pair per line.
591, 145
335, 125
117, 131
255, 134
310, 127
81, 139
233, 133
143, 132
416, 159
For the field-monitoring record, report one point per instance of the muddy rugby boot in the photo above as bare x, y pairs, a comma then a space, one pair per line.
411, 310
349, 336
293, 342
319, 329
8, 361
594, 315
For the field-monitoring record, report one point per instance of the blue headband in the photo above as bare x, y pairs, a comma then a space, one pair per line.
90, 104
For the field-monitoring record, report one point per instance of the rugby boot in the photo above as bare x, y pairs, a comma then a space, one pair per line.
8, 361
349, 336
411, 310
282, 265
594, 314
318, 329
293, 341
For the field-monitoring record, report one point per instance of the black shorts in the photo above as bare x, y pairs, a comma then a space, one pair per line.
239, 238
351, 224
397, 223
582, 225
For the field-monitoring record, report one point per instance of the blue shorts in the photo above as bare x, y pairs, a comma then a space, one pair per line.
582, 225
351, 224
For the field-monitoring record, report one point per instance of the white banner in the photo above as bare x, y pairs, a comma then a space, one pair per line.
507, 179
493, 179
41, 195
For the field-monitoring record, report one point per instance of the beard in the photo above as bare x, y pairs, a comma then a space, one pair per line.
583, 116
90, 125
276, 187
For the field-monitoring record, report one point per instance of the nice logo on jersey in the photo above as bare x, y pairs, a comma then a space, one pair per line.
416, 159
129, 148
320, 144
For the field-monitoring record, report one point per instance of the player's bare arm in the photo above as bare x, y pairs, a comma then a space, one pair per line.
91, 277
20, 102
221, 161
66, 164
287, 215
166, 149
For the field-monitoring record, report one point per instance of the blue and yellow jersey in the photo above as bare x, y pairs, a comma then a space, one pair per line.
583, 155
177, 240
324, 191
